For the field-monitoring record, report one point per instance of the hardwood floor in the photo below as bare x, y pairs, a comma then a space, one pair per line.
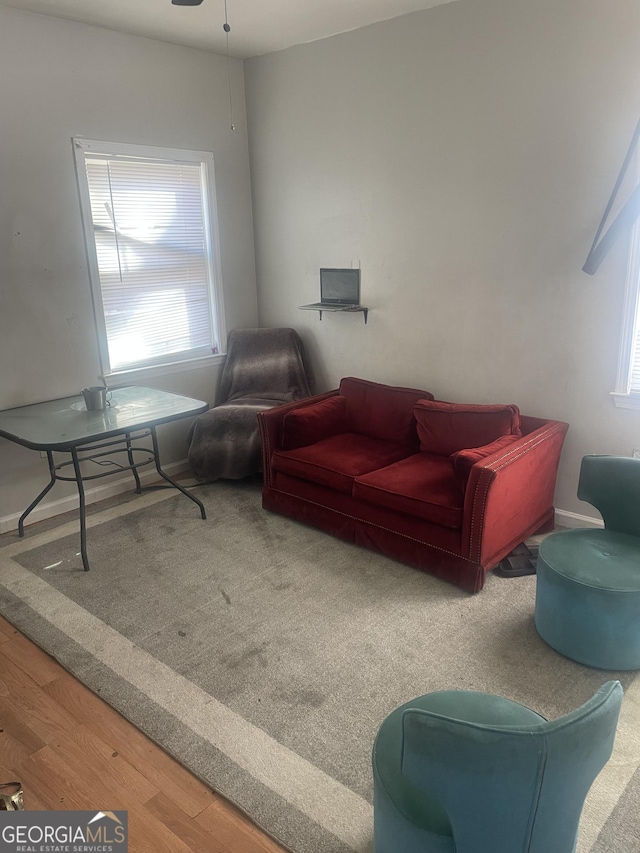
70, 750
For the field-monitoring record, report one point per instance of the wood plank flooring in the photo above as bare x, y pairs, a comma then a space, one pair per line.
70, 750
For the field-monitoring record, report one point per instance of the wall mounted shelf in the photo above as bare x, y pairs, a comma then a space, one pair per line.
350, 309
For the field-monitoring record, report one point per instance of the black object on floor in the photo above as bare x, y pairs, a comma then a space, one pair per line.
521, 561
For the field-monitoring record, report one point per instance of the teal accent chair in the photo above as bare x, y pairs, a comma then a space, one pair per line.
588, 580
466, 772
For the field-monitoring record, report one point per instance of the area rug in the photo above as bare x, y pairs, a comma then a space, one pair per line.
264, 654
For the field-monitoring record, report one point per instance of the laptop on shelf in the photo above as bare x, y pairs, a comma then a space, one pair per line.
338, 289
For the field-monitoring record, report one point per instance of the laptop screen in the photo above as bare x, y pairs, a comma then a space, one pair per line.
340, 287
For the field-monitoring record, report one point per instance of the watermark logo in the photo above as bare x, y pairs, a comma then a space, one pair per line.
63, 832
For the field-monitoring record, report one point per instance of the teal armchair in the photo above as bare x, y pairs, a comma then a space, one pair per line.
588, 580
466, 772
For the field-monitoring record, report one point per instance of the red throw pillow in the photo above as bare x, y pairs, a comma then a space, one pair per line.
464, 460
444, 428
309, 424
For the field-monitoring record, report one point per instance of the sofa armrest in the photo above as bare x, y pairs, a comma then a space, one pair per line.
271, 423
509, 495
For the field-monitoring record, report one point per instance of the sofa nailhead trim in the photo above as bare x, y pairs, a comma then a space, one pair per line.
508, 460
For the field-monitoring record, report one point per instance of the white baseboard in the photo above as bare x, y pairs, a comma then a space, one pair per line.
572, 519
48, 509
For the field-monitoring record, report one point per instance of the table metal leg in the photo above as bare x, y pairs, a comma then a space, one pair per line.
35, 503
168, 478
131, 462
83, 520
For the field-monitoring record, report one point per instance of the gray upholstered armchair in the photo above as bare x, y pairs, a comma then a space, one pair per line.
264, 368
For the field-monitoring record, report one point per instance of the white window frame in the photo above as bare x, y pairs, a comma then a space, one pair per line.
623, 396
212, 251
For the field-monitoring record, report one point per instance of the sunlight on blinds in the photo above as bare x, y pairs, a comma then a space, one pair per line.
635, 363
149, 226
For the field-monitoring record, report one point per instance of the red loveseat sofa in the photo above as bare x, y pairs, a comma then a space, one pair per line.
444, 487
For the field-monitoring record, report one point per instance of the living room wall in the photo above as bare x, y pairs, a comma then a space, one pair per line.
63, 79
463, 155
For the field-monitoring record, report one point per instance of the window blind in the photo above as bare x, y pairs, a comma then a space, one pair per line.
635, 360
153, 256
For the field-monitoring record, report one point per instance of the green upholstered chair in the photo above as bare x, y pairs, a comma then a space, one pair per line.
588, 580
465, 772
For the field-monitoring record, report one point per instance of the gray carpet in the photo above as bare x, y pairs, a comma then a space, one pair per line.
264, 654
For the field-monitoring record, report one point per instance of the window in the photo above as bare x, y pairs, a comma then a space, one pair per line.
150, 231
627, 393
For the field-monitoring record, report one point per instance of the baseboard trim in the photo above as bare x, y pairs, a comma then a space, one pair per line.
573, 519
49, 509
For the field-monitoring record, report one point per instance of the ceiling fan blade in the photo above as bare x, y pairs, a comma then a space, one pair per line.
186, 2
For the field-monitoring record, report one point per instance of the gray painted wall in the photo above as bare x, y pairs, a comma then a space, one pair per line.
464, 156
63, 79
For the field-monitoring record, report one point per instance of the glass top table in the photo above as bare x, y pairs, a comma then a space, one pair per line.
66, 426
66, 423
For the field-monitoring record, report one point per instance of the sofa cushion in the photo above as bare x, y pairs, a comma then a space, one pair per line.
382, 411
464, 460
422, 485
335, 461
310, 424
444, 428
